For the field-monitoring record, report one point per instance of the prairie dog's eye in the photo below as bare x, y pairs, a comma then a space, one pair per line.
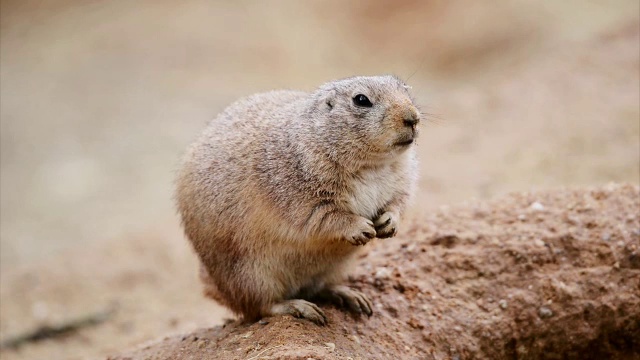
362, 100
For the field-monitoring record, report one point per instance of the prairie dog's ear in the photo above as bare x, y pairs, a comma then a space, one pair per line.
329, 99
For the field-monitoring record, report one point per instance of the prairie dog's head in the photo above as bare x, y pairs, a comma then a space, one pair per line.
372, 117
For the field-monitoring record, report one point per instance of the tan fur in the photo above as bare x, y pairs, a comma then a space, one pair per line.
281, 187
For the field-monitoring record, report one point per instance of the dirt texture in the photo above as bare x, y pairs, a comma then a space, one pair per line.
548, 275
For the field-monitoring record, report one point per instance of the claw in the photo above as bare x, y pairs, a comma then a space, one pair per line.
356, 301
300, 309
385, 225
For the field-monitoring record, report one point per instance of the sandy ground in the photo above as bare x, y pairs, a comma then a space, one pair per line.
550, 275
99, 100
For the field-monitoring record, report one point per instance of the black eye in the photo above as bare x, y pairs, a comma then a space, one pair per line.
362, 100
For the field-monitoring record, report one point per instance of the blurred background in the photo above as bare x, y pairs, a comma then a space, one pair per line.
98, 100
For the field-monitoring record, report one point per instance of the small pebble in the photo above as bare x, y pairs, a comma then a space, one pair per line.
538, 243
330, 346
536, 206
503, 304
522, 350
522, 217
606, 236
611, 187
544, 312
382, 273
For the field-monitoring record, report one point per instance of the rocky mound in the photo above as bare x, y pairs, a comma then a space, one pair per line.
552, 275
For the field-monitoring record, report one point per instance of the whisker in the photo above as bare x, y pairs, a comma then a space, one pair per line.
433, 118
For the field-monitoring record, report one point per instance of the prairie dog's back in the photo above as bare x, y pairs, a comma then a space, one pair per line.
247, 124
219, 165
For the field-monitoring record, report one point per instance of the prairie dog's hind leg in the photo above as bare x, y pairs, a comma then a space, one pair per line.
297, 308
342, 295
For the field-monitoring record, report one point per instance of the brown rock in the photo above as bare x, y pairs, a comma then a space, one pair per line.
569, 303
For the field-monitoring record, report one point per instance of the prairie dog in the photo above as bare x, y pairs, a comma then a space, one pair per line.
281, 189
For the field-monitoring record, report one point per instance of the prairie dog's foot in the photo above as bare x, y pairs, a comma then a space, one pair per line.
298, 308
361, 231
354, 300
386, 225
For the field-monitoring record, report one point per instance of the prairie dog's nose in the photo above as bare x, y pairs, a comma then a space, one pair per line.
411, 117
410, 121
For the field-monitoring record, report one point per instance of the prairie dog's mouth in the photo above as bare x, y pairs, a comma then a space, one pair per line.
406, 138
406, 142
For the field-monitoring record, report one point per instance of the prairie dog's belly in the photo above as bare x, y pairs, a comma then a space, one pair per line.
373, 190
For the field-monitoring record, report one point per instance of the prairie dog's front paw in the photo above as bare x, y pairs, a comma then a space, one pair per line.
361, 231
386, 225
